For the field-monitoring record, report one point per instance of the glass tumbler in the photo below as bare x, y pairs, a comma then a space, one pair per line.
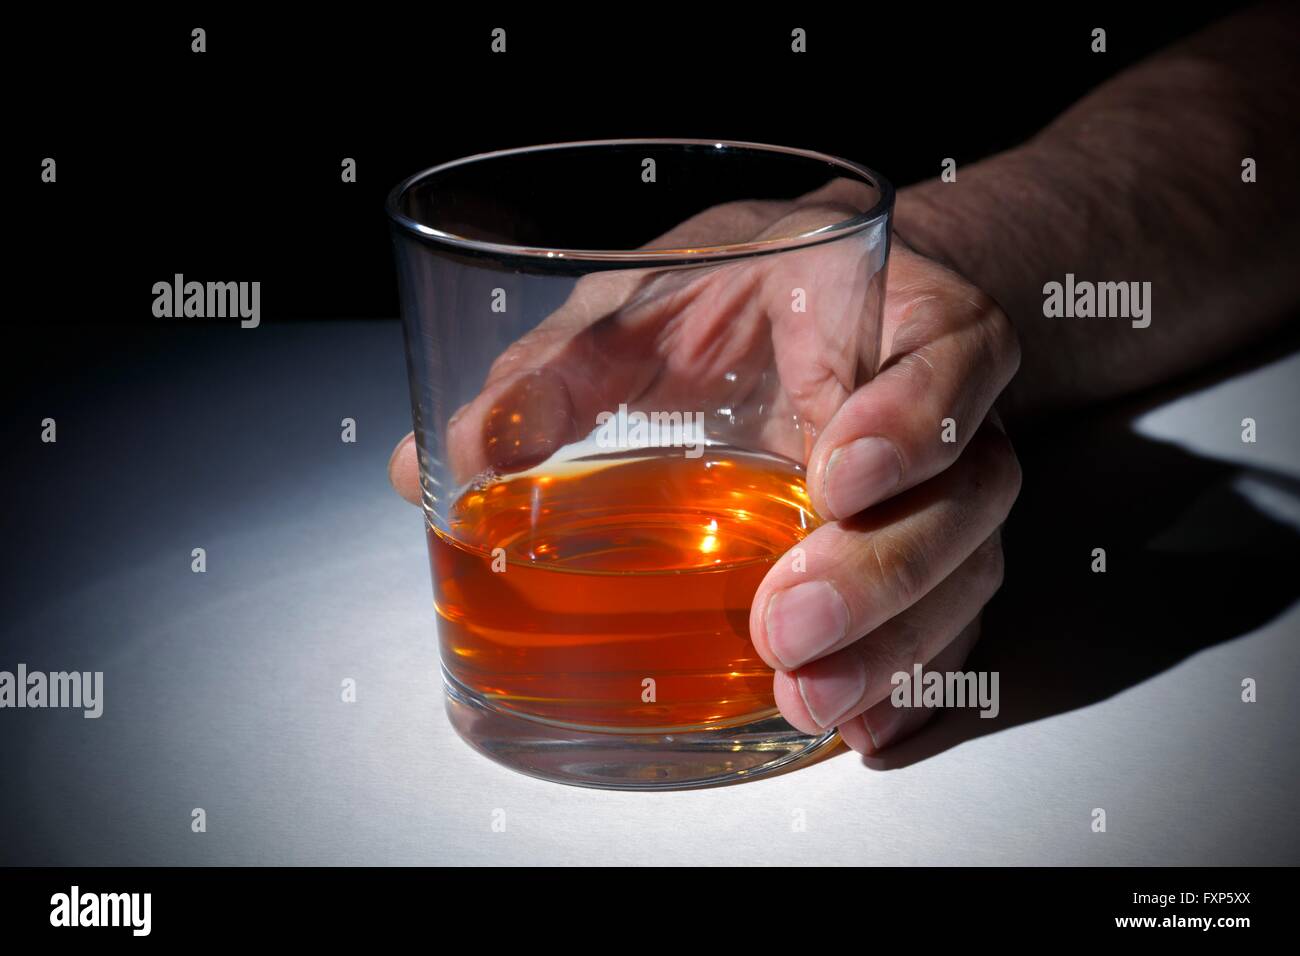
620, 356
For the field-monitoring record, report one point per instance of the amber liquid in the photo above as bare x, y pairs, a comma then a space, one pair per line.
564, 591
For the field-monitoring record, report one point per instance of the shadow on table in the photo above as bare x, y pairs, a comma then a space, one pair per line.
1190, 563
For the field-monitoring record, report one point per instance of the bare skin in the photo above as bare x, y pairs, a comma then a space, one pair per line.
1139, 181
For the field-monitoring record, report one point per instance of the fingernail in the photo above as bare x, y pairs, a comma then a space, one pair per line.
455, 416
529, 421
854, 734
805, 621
392, 459
883, 724
859, 474
831, 688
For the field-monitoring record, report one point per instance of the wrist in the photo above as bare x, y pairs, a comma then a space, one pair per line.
989, 227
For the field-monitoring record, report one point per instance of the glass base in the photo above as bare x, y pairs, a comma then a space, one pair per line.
617, 761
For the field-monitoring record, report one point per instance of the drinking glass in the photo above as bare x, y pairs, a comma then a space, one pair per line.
620, 354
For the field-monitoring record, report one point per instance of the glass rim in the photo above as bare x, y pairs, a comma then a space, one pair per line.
713, 253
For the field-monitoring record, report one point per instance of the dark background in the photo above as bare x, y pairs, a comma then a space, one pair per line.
226, 164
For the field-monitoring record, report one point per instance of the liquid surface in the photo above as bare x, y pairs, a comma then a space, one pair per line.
613, 593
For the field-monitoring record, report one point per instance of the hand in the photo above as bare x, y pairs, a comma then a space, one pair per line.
910, 551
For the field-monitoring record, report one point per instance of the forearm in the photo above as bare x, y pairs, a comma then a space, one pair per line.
1138, 182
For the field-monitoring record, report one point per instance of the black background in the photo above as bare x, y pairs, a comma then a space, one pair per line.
226, 164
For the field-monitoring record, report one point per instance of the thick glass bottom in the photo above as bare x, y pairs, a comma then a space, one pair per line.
618, 761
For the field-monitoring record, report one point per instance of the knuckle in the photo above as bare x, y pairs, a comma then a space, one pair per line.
505, 363
1012, 475
916, 367
528, 352
1001, 343
1004, 343
897, 647
989, 565
901, 568
999, 469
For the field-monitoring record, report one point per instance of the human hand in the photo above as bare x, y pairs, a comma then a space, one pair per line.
910, 551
